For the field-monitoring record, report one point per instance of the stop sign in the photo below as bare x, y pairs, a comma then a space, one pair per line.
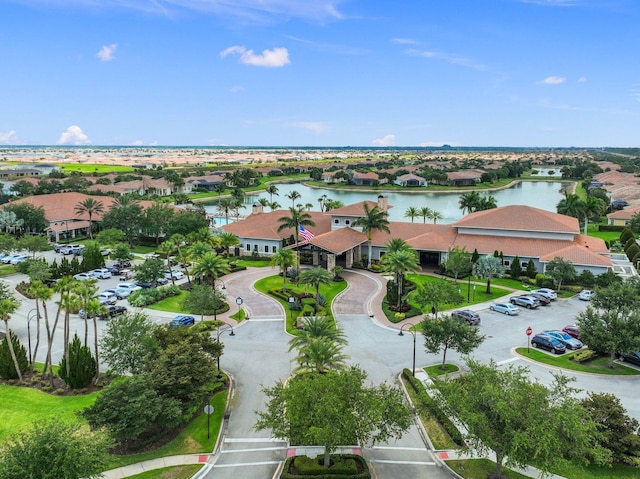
529, 331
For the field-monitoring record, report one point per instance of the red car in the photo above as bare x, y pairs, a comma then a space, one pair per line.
572, 330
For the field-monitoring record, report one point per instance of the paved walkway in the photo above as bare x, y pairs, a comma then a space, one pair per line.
363, 296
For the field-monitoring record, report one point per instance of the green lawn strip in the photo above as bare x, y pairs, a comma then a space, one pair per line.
6, 270
21, 407
143, 249
191, 440
436, 370
175, 472
275, 282
597, 366
172, 303
593, 471
480, 469
475, 296
253, 263
439, 437
92, 168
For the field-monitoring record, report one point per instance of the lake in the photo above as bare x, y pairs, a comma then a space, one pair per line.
540, 194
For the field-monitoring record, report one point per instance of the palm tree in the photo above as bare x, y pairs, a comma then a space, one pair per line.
425, 212
210, 267
85, 291
412, 213
90, 206
226, 241
486, 203
94, 309
315, 277
322, 201
226, 205
41, 293
166, 249
297, 217
272, 190
293, 196
396, 244
469, 201
571, 205
274, 205
373, 219
317, 327
399, 263
593, 206
435, 216
198, 250
8, 306
284, 258
321, 355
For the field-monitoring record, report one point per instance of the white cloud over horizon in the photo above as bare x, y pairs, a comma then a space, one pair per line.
73, 136
313, 126
554, 80
278, 57
387, 140
106, 53
10, 138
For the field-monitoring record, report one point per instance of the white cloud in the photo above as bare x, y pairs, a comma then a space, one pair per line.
582, 80
553, 80
404, 41
73, 136
447, 57
314, 126
387, 140
10, 138
278, 57
236, 89
106, 53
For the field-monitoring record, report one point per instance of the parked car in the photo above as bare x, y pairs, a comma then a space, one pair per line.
7, 259
18, 259
128, 287
101, 273
113, 311
118, 294
467, 315
107, 298
83, 276
565, 338
572, 330
528, 302
182, 321
545, 341
68, 248
174, 273
549, 293
505, 308
633, 358
544, 300
586, 295
77, 250
105, 251
56, 247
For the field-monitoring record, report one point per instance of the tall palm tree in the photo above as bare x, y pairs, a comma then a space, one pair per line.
90, 206
272, 190
210, 267
316, 277
284, 258
469, 201
373, 219
435, 216
166, 249
593, 206
94, 309
8, 306
180, 241
321, 355
85, 291
297, 217
41, 293
317, 327
293, 196
226, 205
399, 263
425, 212
227, 240
198, 250
412, 213
322, 201
571, 205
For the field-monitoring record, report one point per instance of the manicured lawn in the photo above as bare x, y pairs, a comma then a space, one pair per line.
191, 440
172, 303
477, 295
436, 370
140, 249
597, 366
89, 168
7, 269
21, 407
177, 472
610, 236
252, 263
480, 469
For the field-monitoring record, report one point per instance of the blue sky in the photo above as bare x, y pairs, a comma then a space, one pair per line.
524, 73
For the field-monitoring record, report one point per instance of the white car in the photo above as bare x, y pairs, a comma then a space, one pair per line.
84, 276
107, 298
127, 288
586, 295
548, 292
115, 292
505, 308
174, 273
18, 259
7, 259
101, 273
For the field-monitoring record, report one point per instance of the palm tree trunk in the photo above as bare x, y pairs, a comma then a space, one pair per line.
50, 335
95, 345
67, 321
86, 328
370, 251
10, 344
90, 233
35, 349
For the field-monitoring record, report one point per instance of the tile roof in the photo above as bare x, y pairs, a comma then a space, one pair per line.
625, 214
356, 209
265, 225
520, 218
577, 255
340, 240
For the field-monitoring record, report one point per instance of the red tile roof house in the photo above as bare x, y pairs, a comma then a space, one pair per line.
59, 211
523, 231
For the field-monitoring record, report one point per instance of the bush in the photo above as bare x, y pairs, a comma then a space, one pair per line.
7, 368
82, 365
343, 466
144, 297
584, 356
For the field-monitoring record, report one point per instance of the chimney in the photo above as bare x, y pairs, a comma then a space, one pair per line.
256, 209
383, 203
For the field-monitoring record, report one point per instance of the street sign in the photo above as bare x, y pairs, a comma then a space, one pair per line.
529, 331
208, 409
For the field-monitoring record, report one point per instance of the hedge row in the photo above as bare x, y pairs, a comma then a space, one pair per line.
343, 466
145, 297
432, 408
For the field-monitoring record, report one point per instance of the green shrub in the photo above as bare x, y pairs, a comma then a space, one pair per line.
7, 368
343, 466
82, 365
144, 297
584, 356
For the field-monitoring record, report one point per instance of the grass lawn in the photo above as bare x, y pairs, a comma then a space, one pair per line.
610, 236
140, 249
89, 168
597, 366
436, 370
191, 440
22, 407
177, 472
275, 282
253, 263
172, 303
480, 469
477, 295
7, 269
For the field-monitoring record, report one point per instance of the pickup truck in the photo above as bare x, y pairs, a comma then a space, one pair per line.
528, 302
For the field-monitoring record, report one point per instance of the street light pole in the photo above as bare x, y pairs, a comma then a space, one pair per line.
218, 333
413, 371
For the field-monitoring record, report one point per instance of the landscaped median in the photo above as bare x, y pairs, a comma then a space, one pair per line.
593, 364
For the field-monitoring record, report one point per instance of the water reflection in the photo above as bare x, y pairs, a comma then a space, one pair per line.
541, 194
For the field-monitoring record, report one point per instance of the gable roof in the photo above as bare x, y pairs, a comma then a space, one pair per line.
340, 240
520, 218
356, 209
265, 225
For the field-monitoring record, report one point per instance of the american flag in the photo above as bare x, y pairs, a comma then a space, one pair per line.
306, 234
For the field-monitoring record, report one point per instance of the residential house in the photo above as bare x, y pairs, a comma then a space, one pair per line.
364, 179
410, 180
464, 177
622, 217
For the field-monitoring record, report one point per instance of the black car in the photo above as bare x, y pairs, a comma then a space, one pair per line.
633, 358
469, 316
113, 311
544, 300
547, 342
